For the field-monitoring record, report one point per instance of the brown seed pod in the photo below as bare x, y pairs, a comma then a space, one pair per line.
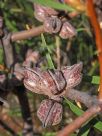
52, 24
52, 83
67, 31
44, 82
41, 12
73, 74
50, 112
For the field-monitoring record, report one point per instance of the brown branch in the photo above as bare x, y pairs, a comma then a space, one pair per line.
82, 97
98, 34
27, 33
8, 50
78, 122
25, 109
6, 127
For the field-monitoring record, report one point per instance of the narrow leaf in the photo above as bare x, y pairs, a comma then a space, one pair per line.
48, 56
53, 4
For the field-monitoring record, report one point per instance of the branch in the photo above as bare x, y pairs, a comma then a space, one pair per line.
78, 122
27, 33
6, 127
98, 35
8, 50
82, 97
25, 109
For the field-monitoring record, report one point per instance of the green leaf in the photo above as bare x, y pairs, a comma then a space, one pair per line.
86, 133
98, 125
95, 80
79, 112
52, 4
92, 79
74, 108
49, 134
48, 56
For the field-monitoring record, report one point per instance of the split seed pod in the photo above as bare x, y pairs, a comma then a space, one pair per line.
73, 74
67, 31
50, 112
52, 24
41, 12
52, 82
47, 82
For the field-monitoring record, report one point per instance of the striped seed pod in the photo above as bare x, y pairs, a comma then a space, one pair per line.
52, 24
67, 31
49, 82
42, 12
52, 82
50, 112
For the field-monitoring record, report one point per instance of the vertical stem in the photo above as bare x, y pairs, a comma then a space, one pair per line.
98, 34
58, 52
25, 109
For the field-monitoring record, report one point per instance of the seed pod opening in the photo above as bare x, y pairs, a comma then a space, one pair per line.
52, 24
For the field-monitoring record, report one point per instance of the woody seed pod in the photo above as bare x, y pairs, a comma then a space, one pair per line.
67, 31
52, 24
42, 12
50, 112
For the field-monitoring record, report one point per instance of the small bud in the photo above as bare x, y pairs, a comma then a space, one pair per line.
50, 112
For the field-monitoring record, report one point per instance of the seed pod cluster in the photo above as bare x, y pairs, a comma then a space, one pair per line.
53, 23
49, 82
54, 84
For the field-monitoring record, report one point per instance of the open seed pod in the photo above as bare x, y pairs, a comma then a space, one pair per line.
42, 12
50, 112
73, 74
48, 82
67, 31
52, 24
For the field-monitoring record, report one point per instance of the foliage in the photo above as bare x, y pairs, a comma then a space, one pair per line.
18, 15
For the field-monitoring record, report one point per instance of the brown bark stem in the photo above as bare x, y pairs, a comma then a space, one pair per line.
98, 35
25, 109
27, 33
82, 97
6, 127
78, 122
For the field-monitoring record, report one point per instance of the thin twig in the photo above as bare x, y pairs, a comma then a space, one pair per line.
6, 127
78, 122
82, 97
27, 33
58, 52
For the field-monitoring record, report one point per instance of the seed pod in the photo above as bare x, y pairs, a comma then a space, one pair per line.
42, 12
56, 81
52, 24
47, 82
67, 31
50, 112
73, 74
